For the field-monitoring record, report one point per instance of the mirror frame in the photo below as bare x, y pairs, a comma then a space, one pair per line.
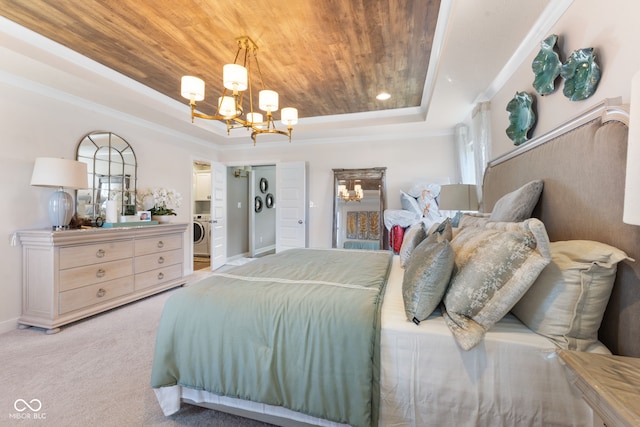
377, 173
121, 167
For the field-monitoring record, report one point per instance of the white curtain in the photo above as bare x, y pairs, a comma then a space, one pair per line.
466, 158
481, 122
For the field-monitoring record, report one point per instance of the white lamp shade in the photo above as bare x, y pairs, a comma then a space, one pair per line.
268, 100
192, 88
227, 106
254, 117
458, 197
234, 77
54, 172
289, 116
631, 213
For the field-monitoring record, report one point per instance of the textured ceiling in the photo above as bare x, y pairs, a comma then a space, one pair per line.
324, 57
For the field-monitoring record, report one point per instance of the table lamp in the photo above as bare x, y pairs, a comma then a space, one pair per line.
60, 173
458, 197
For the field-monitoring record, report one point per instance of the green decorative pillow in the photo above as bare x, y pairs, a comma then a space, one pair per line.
496, 264
412, 238
427, 276
519, 204
567, 301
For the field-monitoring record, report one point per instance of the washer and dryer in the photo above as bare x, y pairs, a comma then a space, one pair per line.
201, 235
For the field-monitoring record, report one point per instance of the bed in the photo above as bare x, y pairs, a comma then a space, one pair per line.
412, 375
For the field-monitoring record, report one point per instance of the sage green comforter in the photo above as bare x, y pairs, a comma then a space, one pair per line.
299, 329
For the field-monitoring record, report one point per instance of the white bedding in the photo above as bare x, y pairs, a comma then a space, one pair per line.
512, 378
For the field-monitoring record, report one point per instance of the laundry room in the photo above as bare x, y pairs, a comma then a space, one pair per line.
249, 214
201, 215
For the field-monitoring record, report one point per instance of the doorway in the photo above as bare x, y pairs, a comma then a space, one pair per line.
201, 215
251, 195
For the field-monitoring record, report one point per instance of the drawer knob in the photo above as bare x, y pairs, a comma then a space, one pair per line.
100, 273
160, 244
101, 292
161, 260
160, 276
100, 253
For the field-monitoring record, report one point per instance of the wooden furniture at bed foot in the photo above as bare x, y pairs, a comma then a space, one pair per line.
72, 274
609, 384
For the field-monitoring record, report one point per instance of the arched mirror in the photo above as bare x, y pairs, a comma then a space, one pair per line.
358, 206
112, 168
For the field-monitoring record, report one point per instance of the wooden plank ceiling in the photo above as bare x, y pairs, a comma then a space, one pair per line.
323, 57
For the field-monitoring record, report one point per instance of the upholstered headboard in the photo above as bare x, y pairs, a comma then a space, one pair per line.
582, 164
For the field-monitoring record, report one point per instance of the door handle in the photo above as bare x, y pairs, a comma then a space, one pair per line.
299, 221
214, 221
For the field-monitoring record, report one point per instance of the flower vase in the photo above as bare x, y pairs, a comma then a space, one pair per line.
162, 219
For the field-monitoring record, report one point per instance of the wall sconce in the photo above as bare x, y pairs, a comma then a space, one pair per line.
60, 173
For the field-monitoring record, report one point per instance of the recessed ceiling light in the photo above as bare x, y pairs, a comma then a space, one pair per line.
383, 96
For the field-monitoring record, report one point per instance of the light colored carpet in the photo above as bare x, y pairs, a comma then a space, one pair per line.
94, 372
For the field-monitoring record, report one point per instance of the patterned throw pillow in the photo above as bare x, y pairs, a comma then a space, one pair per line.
426, 277
495, 265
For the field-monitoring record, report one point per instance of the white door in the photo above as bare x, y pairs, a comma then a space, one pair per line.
218, 215
291, 206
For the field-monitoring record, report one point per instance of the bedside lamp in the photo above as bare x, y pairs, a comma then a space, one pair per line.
458, 197
60, 173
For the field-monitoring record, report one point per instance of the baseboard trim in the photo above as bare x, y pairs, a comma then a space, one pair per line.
8, 325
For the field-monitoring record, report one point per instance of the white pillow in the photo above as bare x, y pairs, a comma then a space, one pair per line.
567, 301
426, 195
409, 203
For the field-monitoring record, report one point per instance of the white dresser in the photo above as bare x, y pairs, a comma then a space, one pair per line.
72, 274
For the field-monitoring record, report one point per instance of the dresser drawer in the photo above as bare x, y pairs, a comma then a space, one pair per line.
72, 278
151, 245
76, 299
158, 276
76, 256
161, 259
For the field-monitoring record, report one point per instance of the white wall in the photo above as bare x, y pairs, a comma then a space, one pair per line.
32, 125
407, 158
610, 27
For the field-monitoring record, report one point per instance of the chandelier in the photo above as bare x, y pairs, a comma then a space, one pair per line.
236, 79
354, 195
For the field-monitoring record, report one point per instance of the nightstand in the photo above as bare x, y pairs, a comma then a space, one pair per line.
609, 384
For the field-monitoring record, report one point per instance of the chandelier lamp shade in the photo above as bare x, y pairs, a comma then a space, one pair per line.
354, 195
61, 174
237, 81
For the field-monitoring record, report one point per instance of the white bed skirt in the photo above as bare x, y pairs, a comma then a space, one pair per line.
513, 377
